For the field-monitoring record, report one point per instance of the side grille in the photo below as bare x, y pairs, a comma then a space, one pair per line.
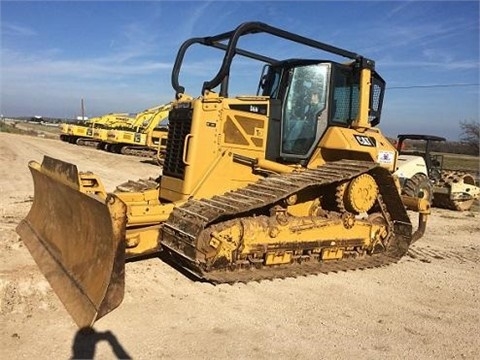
180, 123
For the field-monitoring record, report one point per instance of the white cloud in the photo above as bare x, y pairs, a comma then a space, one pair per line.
16, 66
446, 64
400, 7
16, 30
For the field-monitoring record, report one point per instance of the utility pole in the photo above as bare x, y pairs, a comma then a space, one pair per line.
83, 111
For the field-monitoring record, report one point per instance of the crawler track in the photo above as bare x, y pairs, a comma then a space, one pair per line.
138, 151
88, 142
187, 222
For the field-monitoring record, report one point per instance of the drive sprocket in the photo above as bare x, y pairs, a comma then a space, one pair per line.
357, 195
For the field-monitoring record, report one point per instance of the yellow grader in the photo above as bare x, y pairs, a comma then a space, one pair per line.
260, 186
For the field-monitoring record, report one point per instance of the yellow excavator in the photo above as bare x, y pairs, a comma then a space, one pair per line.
63, 127
76, 131
293, 179
112, 121
83, 132
138, 139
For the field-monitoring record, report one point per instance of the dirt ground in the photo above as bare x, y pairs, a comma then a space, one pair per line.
426, 306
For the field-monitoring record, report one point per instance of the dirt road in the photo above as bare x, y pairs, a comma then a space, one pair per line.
426, 306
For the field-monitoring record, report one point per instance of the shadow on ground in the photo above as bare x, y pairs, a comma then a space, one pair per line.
86, 340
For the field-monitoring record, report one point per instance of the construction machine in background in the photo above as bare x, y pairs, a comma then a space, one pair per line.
112, 121
63, 128
75, 131
138, 139
421, 174
86, 132
259, 186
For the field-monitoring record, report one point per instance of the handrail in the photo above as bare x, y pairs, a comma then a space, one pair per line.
231, 50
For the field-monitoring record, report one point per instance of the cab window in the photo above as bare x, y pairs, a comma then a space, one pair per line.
305, 101
345, 97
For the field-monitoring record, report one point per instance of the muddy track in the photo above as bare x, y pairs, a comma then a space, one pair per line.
187, 222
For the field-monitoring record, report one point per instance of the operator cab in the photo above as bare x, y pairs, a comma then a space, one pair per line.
307, 97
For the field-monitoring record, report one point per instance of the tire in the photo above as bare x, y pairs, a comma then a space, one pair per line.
418, 186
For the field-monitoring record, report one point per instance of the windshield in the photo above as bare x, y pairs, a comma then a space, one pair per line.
162, 124
304, 103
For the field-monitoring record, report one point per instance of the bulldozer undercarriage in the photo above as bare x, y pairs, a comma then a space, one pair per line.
250, 234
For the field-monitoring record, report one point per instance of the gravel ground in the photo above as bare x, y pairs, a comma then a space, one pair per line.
426, 306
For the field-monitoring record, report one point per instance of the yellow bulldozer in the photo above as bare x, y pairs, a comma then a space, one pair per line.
141, 138
293, 179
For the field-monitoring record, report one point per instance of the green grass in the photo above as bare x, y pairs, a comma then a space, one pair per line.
12, 130
461, 162
28, 129
49, 129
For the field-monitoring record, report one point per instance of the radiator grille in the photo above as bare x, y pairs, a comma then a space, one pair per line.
180, 123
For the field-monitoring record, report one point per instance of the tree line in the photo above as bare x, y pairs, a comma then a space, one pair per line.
467, 145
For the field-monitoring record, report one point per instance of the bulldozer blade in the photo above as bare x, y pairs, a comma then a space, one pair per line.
77, 241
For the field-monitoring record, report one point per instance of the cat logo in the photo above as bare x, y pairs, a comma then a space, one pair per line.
365, 140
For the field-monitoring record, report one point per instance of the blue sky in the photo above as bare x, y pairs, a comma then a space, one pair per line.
118, 56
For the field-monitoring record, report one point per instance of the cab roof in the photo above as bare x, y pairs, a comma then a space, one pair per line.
421, 137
